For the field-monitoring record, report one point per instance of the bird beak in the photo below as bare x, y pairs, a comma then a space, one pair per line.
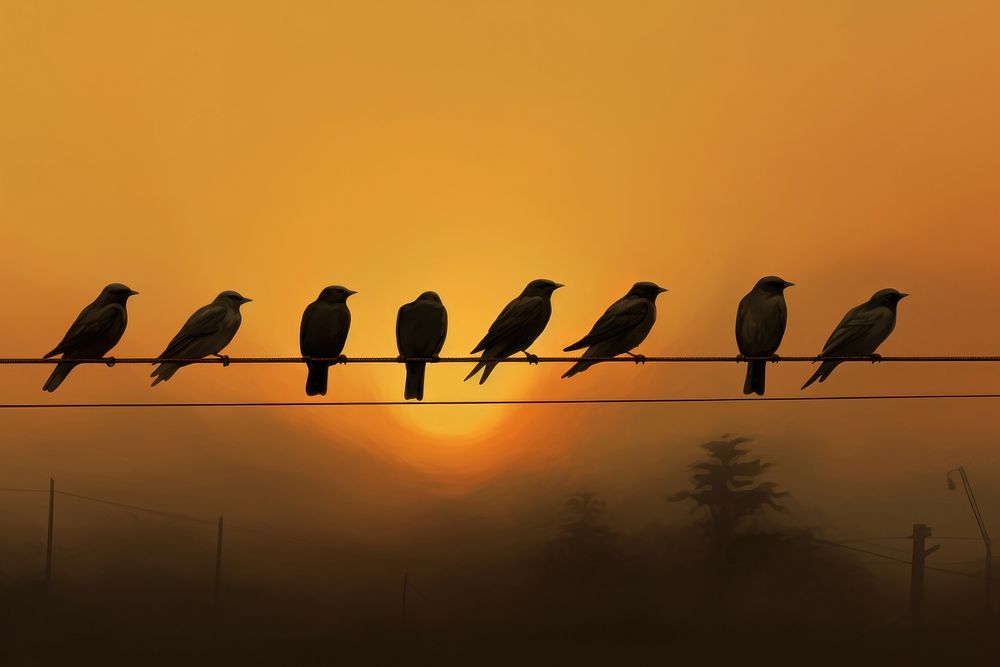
351, 292
246, 300
661, 290
557, 286
788, 284
132, 292
903, 295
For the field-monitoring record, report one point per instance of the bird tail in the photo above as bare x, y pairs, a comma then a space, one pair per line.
415, 380
822, 373
754, 383
317, 380
578, 367
474, 370
163, 372
59, 374
487, 367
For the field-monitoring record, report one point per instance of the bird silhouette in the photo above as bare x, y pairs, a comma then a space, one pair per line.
421, 327
207, 332
325, 324
96, 330
517, 326
622, 327
862, 330
760, 326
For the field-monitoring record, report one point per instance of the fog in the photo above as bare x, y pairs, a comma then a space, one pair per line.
320, 532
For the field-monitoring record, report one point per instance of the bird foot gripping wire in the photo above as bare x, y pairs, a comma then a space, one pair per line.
532, 358
876, 358
110, 361
740, 358
225, 359
775, 358
342, 359
638, 358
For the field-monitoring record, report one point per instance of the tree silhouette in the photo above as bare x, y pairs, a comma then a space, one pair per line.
584, 522
586, 549
726, 487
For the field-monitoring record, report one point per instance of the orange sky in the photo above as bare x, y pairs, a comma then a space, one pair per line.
467, 147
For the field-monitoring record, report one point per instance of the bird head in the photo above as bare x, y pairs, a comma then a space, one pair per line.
429, 296
336, 294
231, 298
888, 297
116, 293
541, 287
646, 290
772, 285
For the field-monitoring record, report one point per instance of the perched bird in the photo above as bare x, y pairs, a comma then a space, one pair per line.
207, 332
760, 326
861, 331
622, 327
421, 327
325, 323
517, 326
96, 330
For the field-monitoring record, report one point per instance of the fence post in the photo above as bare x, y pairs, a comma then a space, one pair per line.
218, 565
406, 576
48, 541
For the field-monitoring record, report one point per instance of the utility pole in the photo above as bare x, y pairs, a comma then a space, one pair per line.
48, 541
987, 543
218, 566
920, 553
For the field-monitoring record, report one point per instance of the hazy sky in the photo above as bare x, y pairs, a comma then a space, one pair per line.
467, 147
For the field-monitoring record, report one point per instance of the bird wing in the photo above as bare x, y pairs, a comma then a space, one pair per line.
404, 328
518, 313
324, 329
304, 326
856, 325
623, 315
206, 321
420, 329
92, 322
760, 325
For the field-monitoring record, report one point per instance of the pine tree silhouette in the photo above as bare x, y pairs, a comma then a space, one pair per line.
721, 487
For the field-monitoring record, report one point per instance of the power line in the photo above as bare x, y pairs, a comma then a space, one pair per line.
960, 574
840, 545
557, 401
137, 508
904, 537
111, 361
872, 543
859, 550
977, 561
974, 539
179, 517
